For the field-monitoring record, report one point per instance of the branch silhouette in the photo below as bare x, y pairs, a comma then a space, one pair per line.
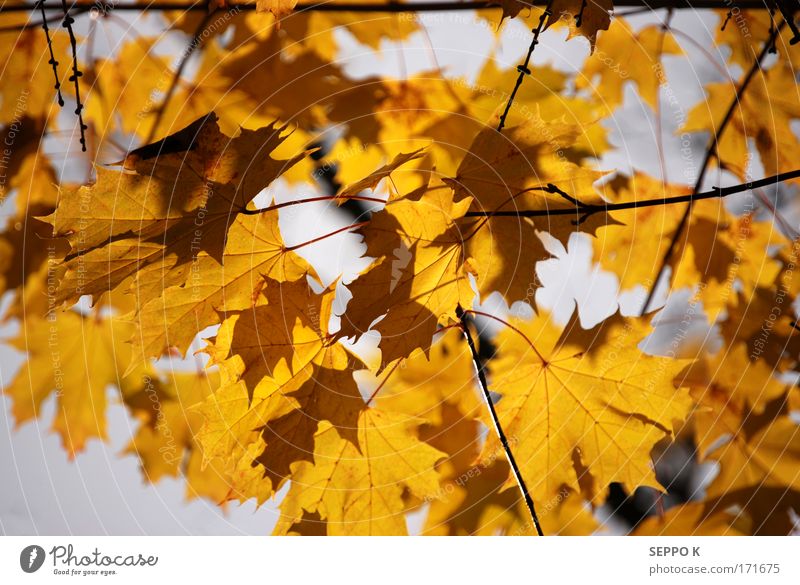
193, 44
76, 72
583, 211
52, 61
462, 315
711, 152
390, 7
523, 67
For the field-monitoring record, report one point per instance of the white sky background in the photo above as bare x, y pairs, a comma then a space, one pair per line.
103, 492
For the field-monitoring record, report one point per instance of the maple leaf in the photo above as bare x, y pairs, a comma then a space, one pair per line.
757, 448
358, 488
718, 249
421, 385
165, 441
280, 8
624, 55
371, 181
192, 302
277, 391
585, 18
197, 177
627, 247
745, 34
181, 226
419, 276
765, 322
76, 358
513, 171
511, 8
773, 91
120, 91
544, 95
439, 388
583, 418
27, 79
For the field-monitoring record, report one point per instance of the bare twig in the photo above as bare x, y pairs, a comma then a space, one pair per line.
496, 421
523, 67
38, 23
193, 44
395, 7
585, 210
76, 72
711, 152
321, 198
52, 60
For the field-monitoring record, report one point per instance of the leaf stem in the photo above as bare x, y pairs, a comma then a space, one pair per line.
276, 206
462, 315
325, 236
510, 326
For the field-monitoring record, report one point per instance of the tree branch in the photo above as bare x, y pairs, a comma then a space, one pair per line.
495, 420
76, 72
711, 152
193, 44
390, 7
52, 60
523, 67
584, 210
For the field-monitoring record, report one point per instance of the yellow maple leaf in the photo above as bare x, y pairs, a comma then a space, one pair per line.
583, 417
280, 8
171, 317
623, 55
584, 17
283, 374
419, 276
28, 79
76, 358
181, 226
165, 442
512, 171
358, 488
764, 114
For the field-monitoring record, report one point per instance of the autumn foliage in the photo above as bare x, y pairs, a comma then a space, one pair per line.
351, 390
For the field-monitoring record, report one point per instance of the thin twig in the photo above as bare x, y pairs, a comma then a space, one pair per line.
711, 152
38, 23
523, 67
496, 421
52, 60
395, 7
586, 210
658, 71
193, 44
76, 72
